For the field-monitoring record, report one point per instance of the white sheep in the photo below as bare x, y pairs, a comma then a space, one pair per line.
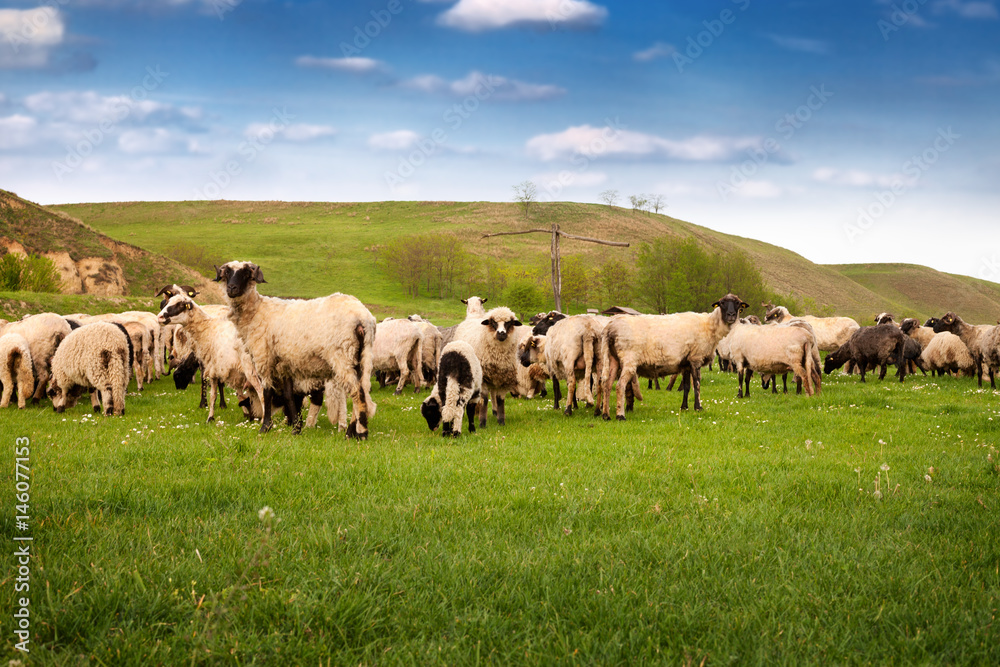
217, 346
490, 336
15, 369
432, 346
399, 348
309, 340
567, 352
92, 357
831, 332
44, 333
775, 350
651, 345
473, 308
457, 391
946, 353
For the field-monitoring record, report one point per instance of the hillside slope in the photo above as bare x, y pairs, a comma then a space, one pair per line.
312, 248
90, 262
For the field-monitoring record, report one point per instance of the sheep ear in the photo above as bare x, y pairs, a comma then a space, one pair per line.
163, 290
516, 323
187, 306
258, 275
218, 273
465, 301
715, 305
484, 300
485, 322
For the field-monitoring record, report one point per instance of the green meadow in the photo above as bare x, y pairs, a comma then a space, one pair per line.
856, 527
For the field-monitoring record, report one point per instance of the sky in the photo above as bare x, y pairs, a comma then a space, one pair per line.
848, 131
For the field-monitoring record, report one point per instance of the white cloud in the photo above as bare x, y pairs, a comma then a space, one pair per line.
801, 44
570, 179
151, 140
90, 108
16, 131
607, 142
657, 50
480, 15
968, 10
353, 65
485, 86
400, 140
294, 132
27, 36
759, 190
856, 178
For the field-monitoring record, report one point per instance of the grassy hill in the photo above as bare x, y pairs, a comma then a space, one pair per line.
94, 262
309, 248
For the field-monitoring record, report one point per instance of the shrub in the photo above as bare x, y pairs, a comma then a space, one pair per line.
29, 274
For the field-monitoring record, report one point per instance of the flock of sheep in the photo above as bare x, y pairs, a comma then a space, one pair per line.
276, 352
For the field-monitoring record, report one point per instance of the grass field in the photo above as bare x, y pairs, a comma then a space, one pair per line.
749, 533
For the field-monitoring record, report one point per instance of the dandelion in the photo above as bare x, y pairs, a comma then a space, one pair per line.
884, 467
267, 517
932, 470
877, 494
927, 478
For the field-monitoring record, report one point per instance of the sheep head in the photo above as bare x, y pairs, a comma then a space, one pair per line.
950, 322
176, 310
238, 277
531, 350
501, 321
547, 322
431, 410
730, 306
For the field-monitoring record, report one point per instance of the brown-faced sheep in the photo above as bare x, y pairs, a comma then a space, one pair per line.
16, 371
309, 340
93, 357
869, 347
650, 345
775, 350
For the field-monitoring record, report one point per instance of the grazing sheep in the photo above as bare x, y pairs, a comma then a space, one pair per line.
774, 350
399, 347
44, 333
496, 348
314, 340
457, 390
946, 353
431, 347
869, 347
831, 332
650, 345
978, 339
567, 352
93, 357
15, 369
217, 346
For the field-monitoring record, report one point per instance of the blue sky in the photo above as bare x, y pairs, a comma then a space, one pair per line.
851, 131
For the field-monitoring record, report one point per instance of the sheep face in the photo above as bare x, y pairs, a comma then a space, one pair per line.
431, 410
530, 350
239, 277
731, 306
544, 324
931, 322
176, 310
835, 360
501, 325
883, 318
170, 290
948, 323
62, 399
908, 325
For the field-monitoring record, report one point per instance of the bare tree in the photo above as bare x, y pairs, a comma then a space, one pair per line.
556, 268
525, 194
657, 202
609, 197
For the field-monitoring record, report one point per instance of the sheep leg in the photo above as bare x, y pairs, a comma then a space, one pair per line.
696, 378
686, 386
784, 383
570, 393
213, 389
630, 395
95, 400
470, 412
8, 390
106, 402
993, 383
556, 393
627, 377
404, 375
292, 415
222, 395
749, 375
739, 382
673, 379
501, 413
483, 409
798, 386
42, 381
204, 400
315, 403
608, 375
265, 421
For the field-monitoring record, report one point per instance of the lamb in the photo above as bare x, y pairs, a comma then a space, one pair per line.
431, 347
567, 352
649, 345
314, 340
93, 357
458, 389
399, 348
16, 370
44, 333
873, 346
831, 332
217, 346
773, 350
977, 338
496, 349
946, 353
